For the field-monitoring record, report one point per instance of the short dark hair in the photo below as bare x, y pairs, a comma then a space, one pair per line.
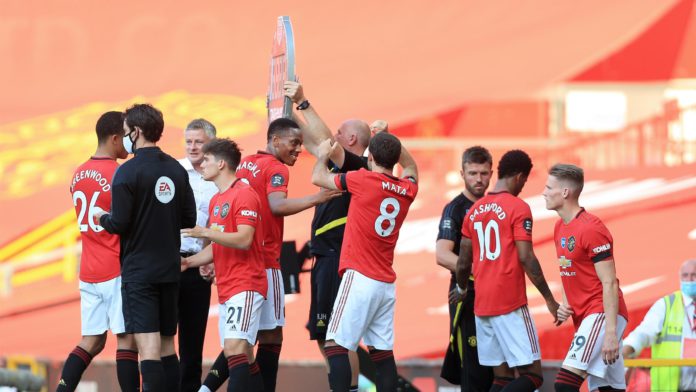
148, 118
513, 163
110, 123
224, 149
385, 149
477, 154
570, 173
279, 126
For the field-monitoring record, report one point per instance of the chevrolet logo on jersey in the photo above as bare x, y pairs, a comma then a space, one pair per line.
216, 227
565, 263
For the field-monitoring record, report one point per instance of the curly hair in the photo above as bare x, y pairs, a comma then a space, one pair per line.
513, 163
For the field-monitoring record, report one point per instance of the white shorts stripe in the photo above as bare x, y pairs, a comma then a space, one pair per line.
342, 301
530, 330
273, 312
596, 328
247, 311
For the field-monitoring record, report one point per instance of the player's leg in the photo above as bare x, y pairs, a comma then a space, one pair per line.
474, 377
217, 375
127, 370
584, 359
519, 341
353, 309
194, 302
490, 353
270, 336
324, 289
168, 315
379, 336
239, 331
93, 314
141, 314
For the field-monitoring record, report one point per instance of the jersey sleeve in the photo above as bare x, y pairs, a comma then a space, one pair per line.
278, 178
522, 222
450, 227
598, 243
351, 182
247, 208
352, 162
118, 220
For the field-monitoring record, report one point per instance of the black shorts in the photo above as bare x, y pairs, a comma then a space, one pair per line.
150, 307
325, 284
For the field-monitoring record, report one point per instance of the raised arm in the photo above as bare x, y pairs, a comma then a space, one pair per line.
320, 175
314, 130
408, 164
531, 267
281, 205
606, 272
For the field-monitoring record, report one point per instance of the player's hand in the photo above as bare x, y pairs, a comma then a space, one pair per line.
455, 297
610, 348
195, 232
325, 195
564, 312
184, 264
324, 149
207, 272
97, 213
378, 126
552, 305
294, 91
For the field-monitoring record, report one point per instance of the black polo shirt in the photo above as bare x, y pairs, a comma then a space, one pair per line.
329, 220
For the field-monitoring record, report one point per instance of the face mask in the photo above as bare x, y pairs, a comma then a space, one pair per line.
688, 288
128, 143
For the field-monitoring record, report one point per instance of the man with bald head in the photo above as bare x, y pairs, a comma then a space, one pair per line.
669, 328
328, 224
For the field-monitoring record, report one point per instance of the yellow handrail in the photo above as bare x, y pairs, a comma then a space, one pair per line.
36, 236
648, 362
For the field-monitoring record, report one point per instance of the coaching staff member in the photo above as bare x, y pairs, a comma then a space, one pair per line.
151, 202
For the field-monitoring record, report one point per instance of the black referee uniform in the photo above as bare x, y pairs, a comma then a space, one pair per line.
151, 202
328, 225
462, 367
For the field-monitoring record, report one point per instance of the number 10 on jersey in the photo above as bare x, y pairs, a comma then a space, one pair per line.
488, 237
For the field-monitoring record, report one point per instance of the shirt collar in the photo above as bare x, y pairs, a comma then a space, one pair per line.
186, 164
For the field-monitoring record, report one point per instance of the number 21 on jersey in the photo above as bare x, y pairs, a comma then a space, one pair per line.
487, 238
82, 198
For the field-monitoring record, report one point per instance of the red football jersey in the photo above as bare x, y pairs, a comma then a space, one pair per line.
493, 224
580, 244
91, 187
266, 174
379, 204
237, 270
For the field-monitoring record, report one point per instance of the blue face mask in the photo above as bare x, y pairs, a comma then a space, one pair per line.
688, 288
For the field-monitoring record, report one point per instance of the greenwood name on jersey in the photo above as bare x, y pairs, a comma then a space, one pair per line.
90, 188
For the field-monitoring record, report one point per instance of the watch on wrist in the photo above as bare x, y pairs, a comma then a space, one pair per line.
303, 105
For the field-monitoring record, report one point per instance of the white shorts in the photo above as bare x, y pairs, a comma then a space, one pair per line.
510, 338
273, 310
239, 317
585, 353
101, 308
364, 308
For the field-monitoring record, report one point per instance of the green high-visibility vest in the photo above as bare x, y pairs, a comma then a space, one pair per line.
668, 345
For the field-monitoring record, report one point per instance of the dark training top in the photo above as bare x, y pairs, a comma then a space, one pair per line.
451, 221
151, 202
329, 220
